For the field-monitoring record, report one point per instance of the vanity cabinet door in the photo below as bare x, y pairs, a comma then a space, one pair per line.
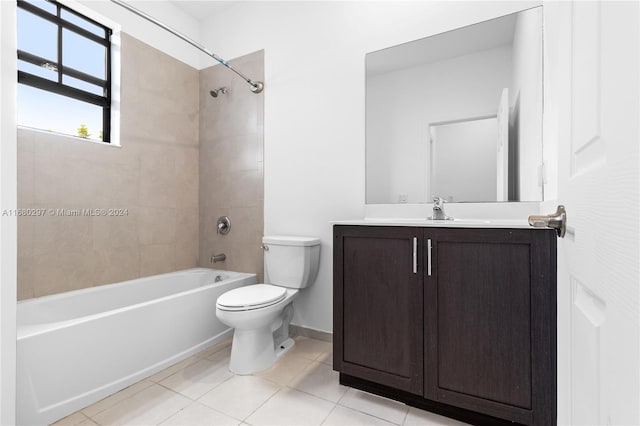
378, 317
490, 322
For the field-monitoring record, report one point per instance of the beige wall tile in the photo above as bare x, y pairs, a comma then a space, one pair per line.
164, 104
112, 232
153, 172
26, 139
156, 225
156, 78
116, 186
248, 257
62, 234
58, 271
218, 191
62, 181
25, 233
117, 265
48, 182
247, 225
231, 177
187, 226
133, 55
186, 177
203, 256
25, 176
146, 121
157, 259
234, 153
157, 183
245, 188
238, 116
186, 158
25, 278
186, 255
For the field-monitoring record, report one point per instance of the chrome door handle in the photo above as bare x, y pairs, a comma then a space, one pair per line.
557, 221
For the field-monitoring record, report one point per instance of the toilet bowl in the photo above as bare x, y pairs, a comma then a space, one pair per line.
260, 314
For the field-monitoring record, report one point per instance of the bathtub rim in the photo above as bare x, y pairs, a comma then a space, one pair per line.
25, 331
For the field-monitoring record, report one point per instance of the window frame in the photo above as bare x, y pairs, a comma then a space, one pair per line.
58, 87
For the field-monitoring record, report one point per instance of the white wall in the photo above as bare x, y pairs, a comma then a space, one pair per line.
147, 32
314, 105
402, 104
8, 184
464, 161
527, 83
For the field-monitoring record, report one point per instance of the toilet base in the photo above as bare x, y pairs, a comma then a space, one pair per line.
252, 351
285, 347
256, 346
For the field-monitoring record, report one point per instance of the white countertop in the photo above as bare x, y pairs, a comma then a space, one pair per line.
456, 223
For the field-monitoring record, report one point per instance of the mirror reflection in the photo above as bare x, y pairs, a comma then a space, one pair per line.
457, 115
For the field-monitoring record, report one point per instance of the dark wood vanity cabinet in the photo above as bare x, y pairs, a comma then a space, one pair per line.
381, 324
467, 329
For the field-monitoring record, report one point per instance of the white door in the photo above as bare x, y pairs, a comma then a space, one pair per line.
594, 97
502, 162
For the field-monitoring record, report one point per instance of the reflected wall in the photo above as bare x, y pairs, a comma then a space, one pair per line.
460, 75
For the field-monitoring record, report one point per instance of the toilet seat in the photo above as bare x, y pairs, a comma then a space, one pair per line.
251, 297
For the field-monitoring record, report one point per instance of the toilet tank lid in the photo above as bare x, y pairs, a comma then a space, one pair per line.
288, 240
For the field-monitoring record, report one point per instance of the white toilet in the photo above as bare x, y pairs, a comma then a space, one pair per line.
261, 313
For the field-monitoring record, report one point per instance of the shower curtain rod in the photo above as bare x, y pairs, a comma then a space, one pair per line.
256, 86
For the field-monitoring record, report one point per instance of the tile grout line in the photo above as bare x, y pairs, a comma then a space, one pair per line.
404, 419
217, 411
174, 391
261, 405
195, 358
116, 403
328, 415
173, 414
373, 415
316, 396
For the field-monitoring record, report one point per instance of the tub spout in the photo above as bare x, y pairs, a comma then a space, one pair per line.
218, 258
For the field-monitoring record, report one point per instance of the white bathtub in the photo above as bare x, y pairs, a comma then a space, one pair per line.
76, 348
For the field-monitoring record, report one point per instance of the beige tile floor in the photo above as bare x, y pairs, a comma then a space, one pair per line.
300, 389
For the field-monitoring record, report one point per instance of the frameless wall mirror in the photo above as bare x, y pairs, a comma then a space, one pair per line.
457, 115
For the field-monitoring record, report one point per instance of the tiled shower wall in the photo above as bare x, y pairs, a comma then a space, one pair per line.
154, 175
175, 140
231, 166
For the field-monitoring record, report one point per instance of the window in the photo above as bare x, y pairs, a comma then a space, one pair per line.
64, 71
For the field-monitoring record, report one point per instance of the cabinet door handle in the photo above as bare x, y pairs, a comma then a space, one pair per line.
415, 255
429, 257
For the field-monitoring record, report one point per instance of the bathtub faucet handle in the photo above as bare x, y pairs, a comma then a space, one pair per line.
218, 258
223, 225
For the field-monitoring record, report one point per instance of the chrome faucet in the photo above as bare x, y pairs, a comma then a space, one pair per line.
218, 258
438, 210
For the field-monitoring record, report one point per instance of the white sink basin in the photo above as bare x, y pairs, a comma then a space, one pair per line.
455, 223
462, 221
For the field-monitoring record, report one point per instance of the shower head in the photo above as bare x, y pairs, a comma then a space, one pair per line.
215, 92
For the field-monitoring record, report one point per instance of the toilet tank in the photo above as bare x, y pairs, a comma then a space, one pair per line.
291, 261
